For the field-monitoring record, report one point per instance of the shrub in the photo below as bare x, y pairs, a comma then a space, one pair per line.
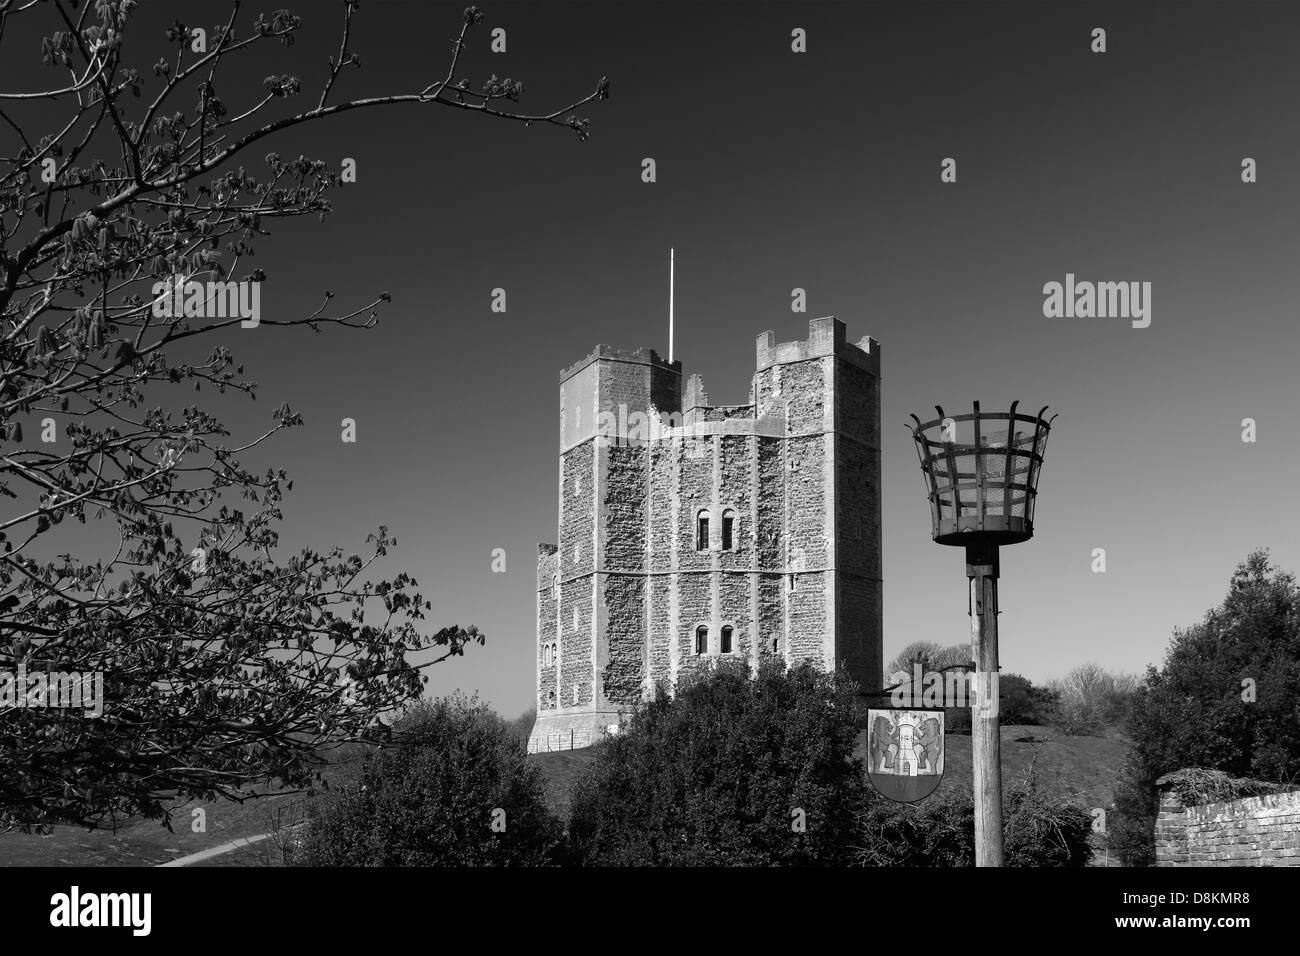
1195, 786
938, 831
725, 773
1130, 829
428, 798
1042, 830
1038, 830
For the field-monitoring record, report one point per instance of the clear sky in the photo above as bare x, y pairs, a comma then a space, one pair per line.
818, 170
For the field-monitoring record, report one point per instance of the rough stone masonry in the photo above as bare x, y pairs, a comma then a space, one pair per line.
690, 532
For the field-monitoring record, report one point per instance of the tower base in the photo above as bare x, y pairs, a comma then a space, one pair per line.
573, 731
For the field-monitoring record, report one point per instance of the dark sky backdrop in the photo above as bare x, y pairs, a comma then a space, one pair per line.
819, 170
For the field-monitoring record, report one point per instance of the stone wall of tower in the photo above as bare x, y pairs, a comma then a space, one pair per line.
769, 550
575, 609
692, 581
621, 589
661, 615
735, 490
859, 624
796, 382
547, 636
829, 391
602, 606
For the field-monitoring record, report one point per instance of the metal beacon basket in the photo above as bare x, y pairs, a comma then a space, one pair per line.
981, 471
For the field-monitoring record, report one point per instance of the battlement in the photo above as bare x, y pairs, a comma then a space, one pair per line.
826, 336
642, 356
547, 564
695, 395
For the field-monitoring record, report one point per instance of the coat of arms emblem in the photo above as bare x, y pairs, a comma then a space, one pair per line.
905, 752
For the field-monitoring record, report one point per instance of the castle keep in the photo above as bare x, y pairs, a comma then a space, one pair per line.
690, 531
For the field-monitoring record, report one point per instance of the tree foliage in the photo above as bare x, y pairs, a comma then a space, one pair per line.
224, 663
732, 771
1224, 699
1020, 702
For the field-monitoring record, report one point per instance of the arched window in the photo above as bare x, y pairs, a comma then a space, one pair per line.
546, 655
702, 639
702, 531
727, 633
555, 653
728, 529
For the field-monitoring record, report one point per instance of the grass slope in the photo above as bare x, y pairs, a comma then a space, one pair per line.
146, 843
1079, 769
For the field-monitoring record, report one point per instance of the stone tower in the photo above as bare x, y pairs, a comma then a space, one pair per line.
690, 531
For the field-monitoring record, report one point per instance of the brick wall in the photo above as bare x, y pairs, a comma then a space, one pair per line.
1250, 831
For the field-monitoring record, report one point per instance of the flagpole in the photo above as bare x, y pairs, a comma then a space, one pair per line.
672, 269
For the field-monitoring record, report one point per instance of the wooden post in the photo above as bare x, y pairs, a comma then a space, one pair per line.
986, 735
